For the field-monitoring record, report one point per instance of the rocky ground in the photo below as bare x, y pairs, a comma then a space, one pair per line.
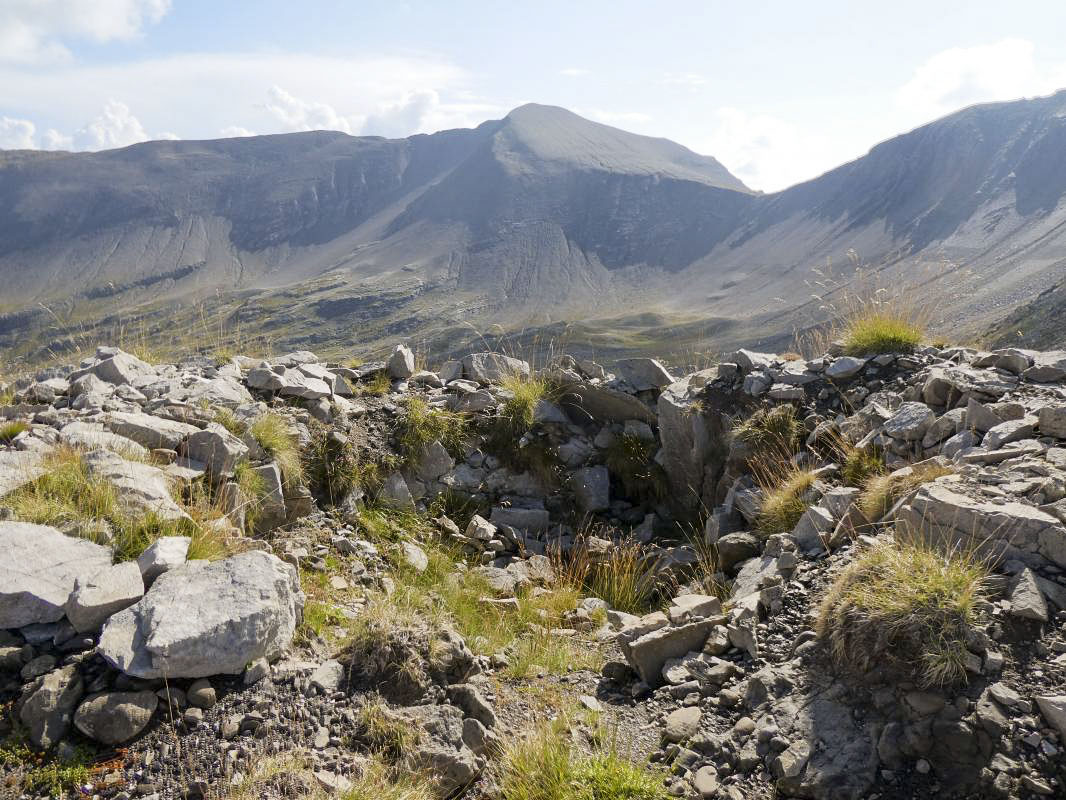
287, 578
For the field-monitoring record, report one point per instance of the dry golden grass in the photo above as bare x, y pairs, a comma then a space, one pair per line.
907, 602
784, 498
881, 492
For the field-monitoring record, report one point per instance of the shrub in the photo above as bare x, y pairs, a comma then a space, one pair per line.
905, 602
9, 430
771, 432
422, 425
881, 492
545, 765
881, 329
272, 433
784, 500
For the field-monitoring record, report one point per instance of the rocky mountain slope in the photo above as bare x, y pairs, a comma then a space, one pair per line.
537, 220
292, 578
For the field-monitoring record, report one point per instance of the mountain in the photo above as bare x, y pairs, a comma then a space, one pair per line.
542, 220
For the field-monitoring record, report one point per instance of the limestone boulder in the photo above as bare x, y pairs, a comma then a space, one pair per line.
207, 620
115, 717
39, 569
141, 488
492, 368
107, 592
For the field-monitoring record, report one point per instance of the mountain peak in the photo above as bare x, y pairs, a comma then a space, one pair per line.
536, 136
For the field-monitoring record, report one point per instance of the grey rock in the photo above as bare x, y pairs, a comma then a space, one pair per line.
734, 548
210, 620
434, 461
93, 436
115, 717
845, 367
813, 529
489, 368
107, 592
592, 488
39, 569
1053, 707
17, 468
532, 520
469, 699
651, 642
271, 511
910, 422
643, 373
414, 556
682, 724
149, 431
1009, 431
395, 493
201, 694
1052, 421
49, 708
687, 443
165, 553
1026, 600
141, 488
401, 364
705, 782
217, 449
328, 675
118, 368
440, 751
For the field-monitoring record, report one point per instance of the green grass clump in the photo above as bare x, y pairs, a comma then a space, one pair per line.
519, 410
272, 433
318, 616
631, 459
7, 395
9, 430
133, 536
546, 765
623, 578
66, 495
422, 425
445, 594
253, 490
906, 602
379, 385
330, 464
39, 773
881, 329
228, 420
784, 501
771, 432
860, 465
881, 492
384, 733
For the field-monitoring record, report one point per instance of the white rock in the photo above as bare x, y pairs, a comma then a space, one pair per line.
487, 368
39, 567
217, 448
107, 592
165, 553
210, 620
401, 364
141, 488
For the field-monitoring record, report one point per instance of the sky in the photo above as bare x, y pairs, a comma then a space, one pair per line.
779, 92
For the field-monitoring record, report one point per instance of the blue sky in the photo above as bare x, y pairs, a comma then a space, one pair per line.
778, 91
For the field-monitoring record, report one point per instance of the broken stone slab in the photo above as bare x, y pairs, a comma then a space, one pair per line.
294, 383
588, 401
1052, 421
531, 520
988, 527
216, 448
164, 554
107, 592
434, 461
686, 607
644, 374
115, 717
749, 360
141, 488
117, 367
209, 620
845, 367
401, 363
1026, 599
648, 651
328, 675
493, 368
93, 436
1048, 367
814, 528
910, 422
687, 444
1009, 431
1053, 707
149, 431
39, 569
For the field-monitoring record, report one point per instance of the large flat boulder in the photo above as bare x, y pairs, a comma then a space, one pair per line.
94, 436
488, 368
39, 567
141, 488
105, 593
217, 449
198, 621
149, 431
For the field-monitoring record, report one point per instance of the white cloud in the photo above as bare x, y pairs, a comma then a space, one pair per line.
54, 140
574, 72
232, 131
196, 95
962, 76
296, 114
17, 134
32, 31
114, 127
686, 80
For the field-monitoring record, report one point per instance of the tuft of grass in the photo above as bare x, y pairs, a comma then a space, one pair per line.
330, 464
905, 601
134, 536
624, 578
318, 616
546, 765
383, 732
860, 465
292, 776
784, 499
771, 432
446, 594
66, 496
253, 489
883, 328
379, 385
7, 395
881, 492
272, 432
519, 409
9, 430
631, 460
228, 420
422, 425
